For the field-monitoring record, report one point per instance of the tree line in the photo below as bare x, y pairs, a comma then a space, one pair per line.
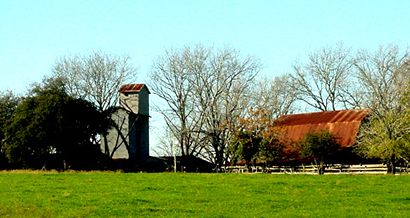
216, 108
61, 122
214, 104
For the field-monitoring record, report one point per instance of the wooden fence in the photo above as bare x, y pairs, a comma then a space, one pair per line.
311, 169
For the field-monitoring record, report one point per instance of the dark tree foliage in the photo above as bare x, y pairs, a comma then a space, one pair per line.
249, 146
50, 127
257, 141
8, 104
319, 146
257, 148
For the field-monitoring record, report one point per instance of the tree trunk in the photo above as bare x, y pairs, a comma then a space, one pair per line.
321, 168
219, 161
391, 165
391, 168
106, 146
248, 167
219, 156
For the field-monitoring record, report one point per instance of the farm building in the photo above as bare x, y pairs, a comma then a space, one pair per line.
129, 138
344, 125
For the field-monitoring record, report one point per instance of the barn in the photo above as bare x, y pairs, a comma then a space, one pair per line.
344, 125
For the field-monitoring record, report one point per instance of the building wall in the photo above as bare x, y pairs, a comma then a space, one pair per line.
139, 137
129, 101
120, 117
143, 99
133, 118
137, 102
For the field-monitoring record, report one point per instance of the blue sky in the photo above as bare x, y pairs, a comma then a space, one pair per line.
34, 34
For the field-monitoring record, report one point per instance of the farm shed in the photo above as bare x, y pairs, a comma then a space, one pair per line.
344, 125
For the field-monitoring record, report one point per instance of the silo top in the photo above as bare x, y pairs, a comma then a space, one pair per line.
133, 88
135, 98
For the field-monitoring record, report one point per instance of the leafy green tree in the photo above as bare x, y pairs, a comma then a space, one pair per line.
51, 124
386, 81
8, 104
386, 135
386, 138
319, 146
270, 150
249, 146
255, 147
257, 140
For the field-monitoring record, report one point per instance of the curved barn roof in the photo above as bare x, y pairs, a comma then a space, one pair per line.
343, 124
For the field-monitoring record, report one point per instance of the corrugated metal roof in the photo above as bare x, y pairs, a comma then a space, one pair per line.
132, 88
344, 125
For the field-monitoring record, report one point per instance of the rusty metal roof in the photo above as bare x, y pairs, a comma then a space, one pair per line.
132, 88
343, 124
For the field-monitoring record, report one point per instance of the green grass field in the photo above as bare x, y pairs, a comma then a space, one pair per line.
105, 194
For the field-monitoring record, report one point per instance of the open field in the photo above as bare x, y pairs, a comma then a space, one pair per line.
105, 194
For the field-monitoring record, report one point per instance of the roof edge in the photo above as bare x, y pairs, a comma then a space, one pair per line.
133, 87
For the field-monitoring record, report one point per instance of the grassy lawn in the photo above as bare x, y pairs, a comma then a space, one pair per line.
105, 194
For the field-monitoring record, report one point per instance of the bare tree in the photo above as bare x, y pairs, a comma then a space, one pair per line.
277, 96
171, 80
204, 92
168, 146
382, 76
323, 81
96, 78
222, 93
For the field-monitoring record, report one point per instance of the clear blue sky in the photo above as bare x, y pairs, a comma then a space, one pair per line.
33, 34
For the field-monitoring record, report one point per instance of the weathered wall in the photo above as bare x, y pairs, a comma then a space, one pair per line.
121, 119
133, 120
